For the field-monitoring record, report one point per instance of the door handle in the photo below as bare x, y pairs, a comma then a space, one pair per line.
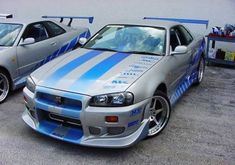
53, 44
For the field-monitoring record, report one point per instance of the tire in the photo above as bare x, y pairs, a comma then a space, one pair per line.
4, 86
201, 71
159, 113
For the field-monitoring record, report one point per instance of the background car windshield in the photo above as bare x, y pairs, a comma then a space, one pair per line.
129, 39
9, 33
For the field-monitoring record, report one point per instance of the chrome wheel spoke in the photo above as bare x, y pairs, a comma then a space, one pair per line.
153, 119
158, 111
154, 104
1, 81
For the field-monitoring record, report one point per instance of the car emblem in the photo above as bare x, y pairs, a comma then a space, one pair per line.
58, 100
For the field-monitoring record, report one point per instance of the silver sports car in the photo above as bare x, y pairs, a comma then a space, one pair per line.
118, 88
25, 45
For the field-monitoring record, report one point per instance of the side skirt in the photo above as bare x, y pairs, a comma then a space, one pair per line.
183, 86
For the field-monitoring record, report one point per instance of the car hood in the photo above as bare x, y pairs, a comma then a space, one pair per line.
93, 72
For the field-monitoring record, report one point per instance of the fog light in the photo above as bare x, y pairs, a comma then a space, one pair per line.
115, 130
94, 130
111, 119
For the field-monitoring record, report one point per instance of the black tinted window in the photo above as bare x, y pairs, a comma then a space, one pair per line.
55, 29
184, 36
174, 42
36, 31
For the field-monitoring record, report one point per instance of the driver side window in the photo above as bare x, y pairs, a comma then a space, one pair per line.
36, 31
174, 39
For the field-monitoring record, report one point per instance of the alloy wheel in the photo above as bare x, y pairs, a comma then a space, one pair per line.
4, 87
201, 70
159, 115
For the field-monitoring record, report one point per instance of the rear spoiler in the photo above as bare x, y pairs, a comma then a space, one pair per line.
90, 19
6, 16
191, 21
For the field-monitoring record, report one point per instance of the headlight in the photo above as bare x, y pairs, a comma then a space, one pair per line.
112, 100
30, 84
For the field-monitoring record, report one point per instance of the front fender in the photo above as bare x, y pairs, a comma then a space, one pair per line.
8, 61
147, 84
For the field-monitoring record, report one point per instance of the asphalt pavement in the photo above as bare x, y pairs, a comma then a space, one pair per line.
201, 131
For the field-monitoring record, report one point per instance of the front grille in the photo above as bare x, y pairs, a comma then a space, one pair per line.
56, 118
59, 101
64, 120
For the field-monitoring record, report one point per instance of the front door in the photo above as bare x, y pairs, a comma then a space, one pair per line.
30, 55
179, 62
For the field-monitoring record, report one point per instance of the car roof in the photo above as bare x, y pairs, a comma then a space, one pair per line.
23, 21
145, 22
141, 22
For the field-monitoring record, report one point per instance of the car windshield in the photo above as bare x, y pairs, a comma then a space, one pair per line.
130, 39
9, 33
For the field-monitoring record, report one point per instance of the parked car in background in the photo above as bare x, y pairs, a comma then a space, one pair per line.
119, 87
25, 45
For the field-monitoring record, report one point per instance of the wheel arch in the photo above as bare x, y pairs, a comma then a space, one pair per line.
161, 87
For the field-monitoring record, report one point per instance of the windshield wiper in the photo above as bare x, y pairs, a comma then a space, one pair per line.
144, 52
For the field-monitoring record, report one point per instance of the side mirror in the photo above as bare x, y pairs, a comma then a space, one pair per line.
27, 41
180, 50
82, 40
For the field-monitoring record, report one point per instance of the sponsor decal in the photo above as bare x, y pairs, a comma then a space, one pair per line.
136, 70
143, 63
119, 82
109, 87
130, 124
149, 57
135, 112
129, 74
146, 60
135, 66
123, 77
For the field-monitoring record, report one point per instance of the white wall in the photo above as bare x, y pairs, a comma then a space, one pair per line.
218, 12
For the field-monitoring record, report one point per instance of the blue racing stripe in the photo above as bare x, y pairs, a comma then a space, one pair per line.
72, 43
63, 48
63, 71
97, 71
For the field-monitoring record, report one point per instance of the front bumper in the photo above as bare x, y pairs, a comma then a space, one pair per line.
93, 130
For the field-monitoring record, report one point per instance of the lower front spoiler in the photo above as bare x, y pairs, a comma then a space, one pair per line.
102, 142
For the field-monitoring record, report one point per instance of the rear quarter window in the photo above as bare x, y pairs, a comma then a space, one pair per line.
54, 29
185, 37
